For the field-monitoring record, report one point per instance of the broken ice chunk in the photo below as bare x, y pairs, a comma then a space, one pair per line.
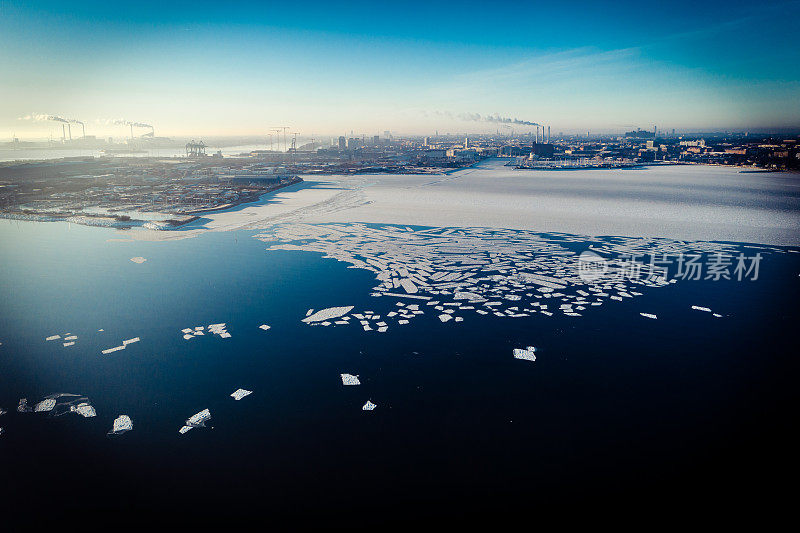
444, 317
45, 405
649, 315
238, 394
327, 314
698, 308
69, 343
138, 260
197, 420
408, 285
53, 337
369, 406
264, 327
121, 424
114, 349
527, 354
84, 409
350, 379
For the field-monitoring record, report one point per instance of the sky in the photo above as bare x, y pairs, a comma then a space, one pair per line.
331, 68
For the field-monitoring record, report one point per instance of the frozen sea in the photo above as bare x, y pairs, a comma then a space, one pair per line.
617, 409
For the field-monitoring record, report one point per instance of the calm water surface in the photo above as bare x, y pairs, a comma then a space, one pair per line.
615, 409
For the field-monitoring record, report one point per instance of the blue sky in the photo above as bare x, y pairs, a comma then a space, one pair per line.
205, 68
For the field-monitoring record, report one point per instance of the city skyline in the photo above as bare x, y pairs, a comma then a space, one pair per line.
198, 69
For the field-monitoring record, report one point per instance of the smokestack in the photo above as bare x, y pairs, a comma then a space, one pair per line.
131, 131
548, 134
69, 129
83, 127
63, 134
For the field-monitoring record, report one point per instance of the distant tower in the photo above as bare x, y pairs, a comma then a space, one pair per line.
466, 143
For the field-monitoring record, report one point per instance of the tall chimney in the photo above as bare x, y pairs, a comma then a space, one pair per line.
69, 129
131, 131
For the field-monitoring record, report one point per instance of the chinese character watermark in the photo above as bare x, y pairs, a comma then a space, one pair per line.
659, 268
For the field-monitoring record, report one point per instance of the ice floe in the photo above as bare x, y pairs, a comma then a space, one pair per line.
527, 354
504, 273
198, 331
138, 260
197, 420
369, 406
45, 405
698, 308
350, 379
649, 315
238, 394
121, 425
60, 404
328, 314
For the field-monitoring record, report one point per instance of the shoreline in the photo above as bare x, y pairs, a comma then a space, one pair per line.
168, 224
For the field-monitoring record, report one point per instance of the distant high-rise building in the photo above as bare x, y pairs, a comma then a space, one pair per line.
342, 142
466, 143
427, 141
376, 140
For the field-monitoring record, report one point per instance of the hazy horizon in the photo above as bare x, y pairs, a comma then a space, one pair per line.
200, 69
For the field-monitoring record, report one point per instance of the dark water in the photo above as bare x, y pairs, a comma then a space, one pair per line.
617, 412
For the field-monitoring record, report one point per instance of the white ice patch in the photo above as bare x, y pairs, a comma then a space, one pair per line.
238, 394
45, 405
121, 424
328, 314
197, 420
527, 354
350, 379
